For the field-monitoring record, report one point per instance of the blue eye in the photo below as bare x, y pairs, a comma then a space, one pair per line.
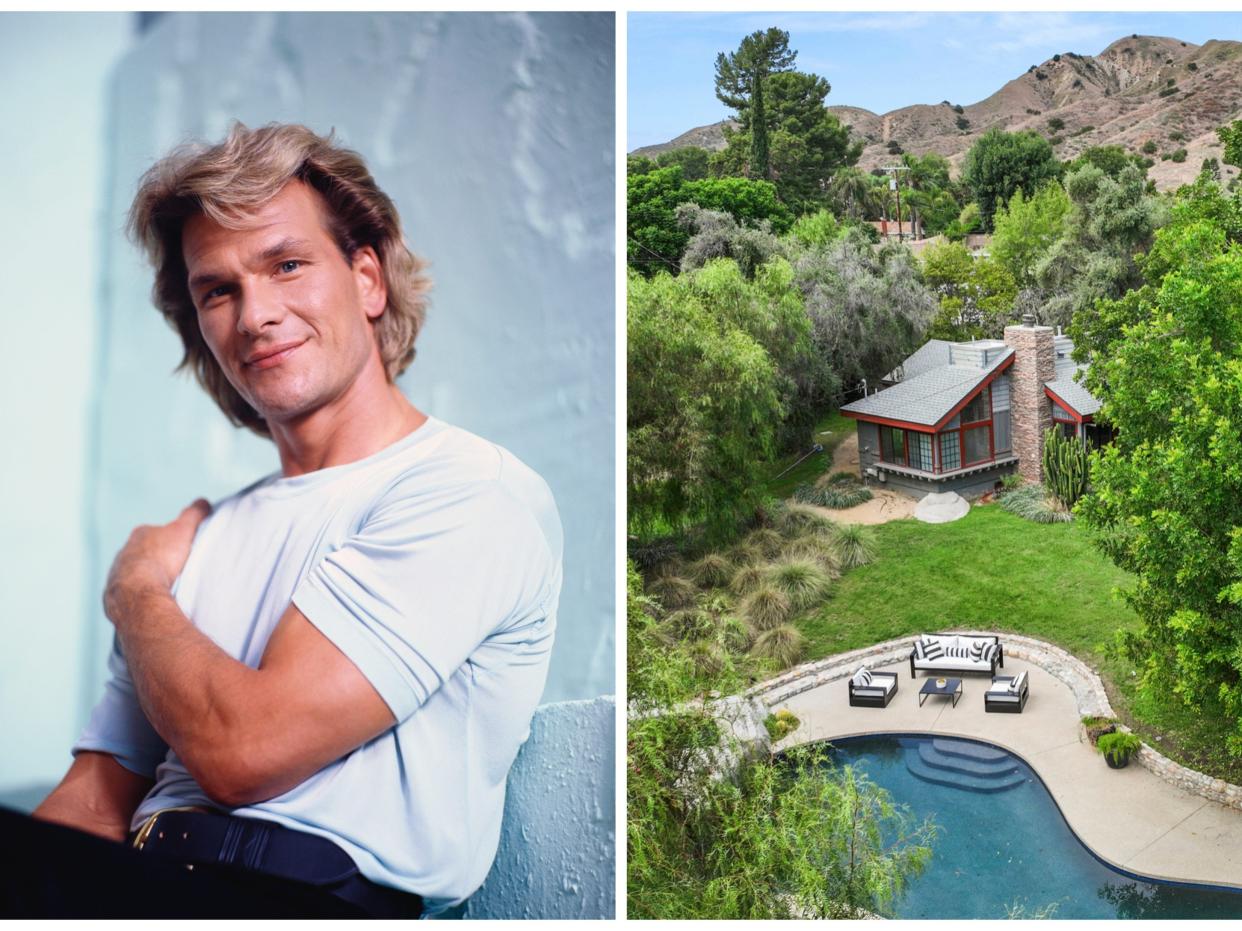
284, 266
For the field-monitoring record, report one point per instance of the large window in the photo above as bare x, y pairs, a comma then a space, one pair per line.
893, 445
919, 450
906, 448
950, 451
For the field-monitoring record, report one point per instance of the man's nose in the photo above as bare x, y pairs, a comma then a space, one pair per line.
259, 307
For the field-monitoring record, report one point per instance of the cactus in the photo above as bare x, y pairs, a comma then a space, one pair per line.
1065, 467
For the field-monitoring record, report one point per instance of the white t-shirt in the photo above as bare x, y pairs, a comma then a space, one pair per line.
435, 566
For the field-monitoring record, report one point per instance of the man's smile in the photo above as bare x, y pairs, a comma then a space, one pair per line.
269, 356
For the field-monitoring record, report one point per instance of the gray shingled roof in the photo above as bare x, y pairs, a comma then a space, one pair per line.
926, 398
931, 355
1074, 394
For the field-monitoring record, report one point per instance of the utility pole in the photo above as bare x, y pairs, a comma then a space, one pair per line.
895, 172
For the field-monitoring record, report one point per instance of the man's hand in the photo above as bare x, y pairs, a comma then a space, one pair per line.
152, 559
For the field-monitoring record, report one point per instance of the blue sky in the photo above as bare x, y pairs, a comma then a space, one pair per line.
878, 61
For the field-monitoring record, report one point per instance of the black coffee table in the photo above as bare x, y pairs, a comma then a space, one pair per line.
952, 689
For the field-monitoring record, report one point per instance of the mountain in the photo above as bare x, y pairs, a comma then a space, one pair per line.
1140, 89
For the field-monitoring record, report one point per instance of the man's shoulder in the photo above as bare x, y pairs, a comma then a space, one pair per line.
460, 467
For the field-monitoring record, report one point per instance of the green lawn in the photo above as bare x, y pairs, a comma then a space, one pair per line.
994, 571
830, 430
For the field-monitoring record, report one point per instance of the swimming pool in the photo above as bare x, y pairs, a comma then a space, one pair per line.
1003, 846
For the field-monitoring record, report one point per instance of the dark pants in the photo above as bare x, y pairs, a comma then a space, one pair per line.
57, 872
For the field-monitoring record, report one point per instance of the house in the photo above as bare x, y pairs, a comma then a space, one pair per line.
959, 416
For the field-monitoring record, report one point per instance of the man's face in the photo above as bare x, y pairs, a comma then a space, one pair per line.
288, 319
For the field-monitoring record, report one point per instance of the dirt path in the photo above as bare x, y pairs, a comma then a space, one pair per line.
886, 505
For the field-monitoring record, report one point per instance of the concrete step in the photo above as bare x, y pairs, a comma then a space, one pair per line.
960, 780
969, 765
970, 750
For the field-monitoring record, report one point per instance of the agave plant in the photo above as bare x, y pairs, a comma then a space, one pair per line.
802, 581
782, 645
854, 545
766, 607
712, 571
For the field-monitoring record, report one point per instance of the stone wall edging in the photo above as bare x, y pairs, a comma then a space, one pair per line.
1087, 687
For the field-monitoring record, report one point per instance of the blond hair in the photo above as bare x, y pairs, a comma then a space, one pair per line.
228, 182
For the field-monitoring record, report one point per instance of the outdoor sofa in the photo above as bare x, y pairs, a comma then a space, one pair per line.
1007, 694
872, 689
940, 653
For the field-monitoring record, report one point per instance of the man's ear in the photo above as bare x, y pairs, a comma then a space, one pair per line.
369, 279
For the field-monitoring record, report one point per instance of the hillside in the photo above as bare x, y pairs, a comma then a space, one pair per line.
1139, 89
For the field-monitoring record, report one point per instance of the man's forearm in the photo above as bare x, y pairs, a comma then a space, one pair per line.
98, 795
192, 692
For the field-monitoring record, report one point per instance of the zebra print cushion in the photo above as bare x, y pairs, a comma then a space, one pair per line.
920, 649
976, 650
990, 652
957, 652
862, 678
932, 649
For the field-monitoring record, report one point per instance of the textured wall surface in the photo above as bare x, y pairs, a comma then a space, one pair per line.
52, 68
494, 134
557, 845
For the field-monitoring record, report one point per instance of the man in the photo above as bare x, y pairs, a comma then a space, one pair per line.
332, 669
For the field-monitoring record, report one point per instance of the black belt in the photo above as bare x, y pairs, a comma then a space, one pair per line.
198, 836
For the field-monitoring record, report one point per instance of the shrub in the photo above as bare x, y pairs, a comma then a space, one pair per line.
1096, 727
766, 608
1177, 136
1056, 124
1077, 85
734, 633
818, 549
839, 497
1012, 482
1031, 502
782, 645
712, 571
708, 658
1149, 147
746, 579
1065, 467
1167, 92
798, 519
781, 724
842, 478
803, 582
962, 123
766, 540
1192, 67
958, 108
854, 545
1178, 156
745, 554
674, 591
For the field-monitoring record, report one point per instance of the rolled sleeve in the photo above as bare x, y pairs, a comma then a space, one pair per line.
425, 581
118, 725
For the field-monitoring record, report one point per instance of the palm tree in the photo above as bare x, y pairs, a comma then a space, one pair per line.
853, 193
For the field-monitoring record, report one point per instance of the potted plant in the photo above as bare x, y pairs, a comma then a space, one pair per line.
1095, 727
1118, 747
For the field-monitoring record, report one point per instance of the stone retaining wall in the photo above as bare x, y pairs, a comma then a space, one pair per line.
1083, 682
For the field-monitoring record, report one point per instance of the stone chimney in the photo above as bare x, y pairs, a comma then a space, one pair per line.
1034, 363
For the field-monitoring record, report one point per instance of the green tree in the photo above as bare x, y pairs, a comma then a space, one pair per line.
656, 241
1167, 505
975, 295
714, 369
806, 143
1000, 163
1110, 221
1231, 139
1110, 159
740, 77
854, 193
1026, 228
692, 159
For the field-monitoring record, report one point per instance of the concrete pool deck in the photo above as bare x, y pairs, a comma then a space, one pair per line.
1130, 817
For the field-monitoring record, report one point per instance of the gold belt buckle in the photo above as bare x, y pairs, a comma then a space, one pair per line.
145, 830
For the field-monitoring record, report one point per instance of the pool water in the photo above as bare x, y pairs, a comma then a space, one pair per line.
1003, 847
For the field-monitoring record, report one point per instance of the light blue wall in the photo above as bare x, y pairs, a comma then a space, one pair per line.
495, 136
558, 842
53, 69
